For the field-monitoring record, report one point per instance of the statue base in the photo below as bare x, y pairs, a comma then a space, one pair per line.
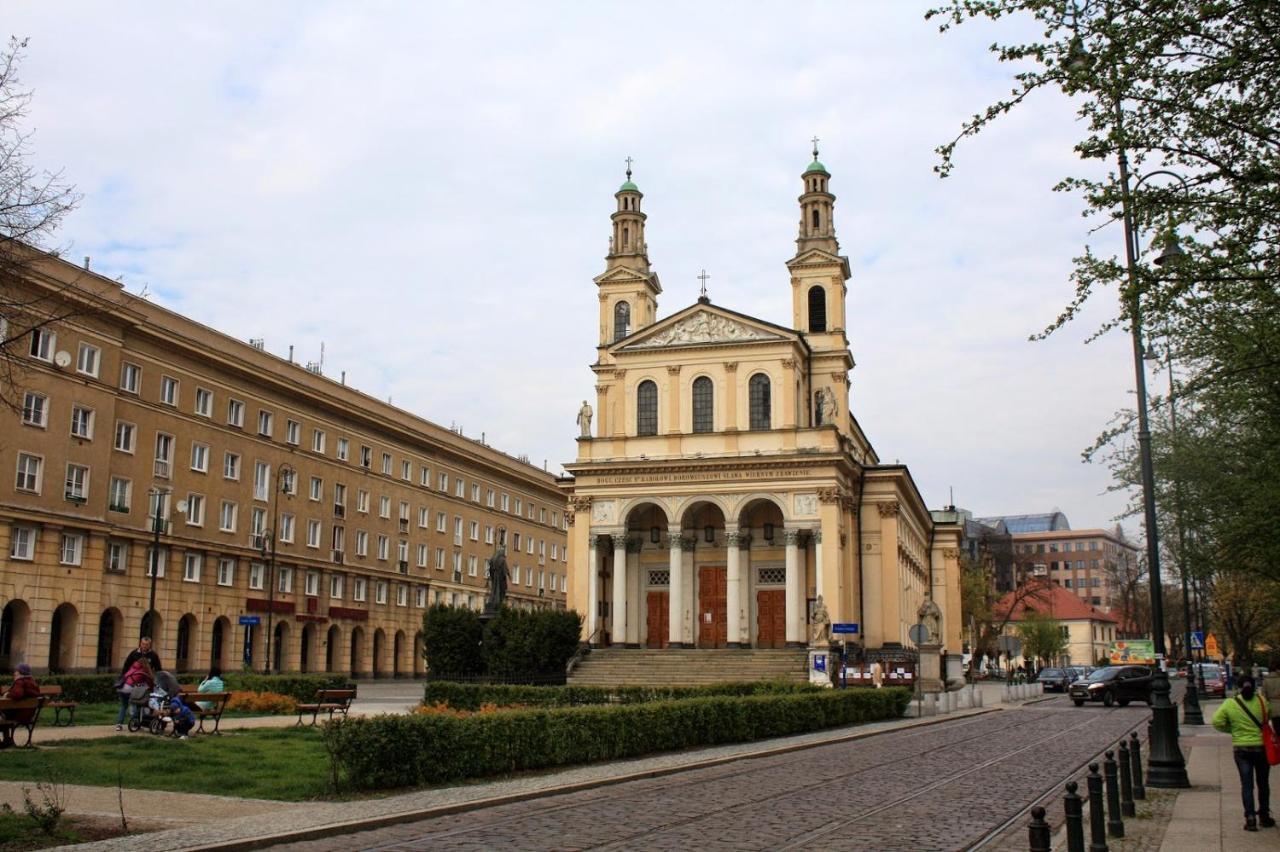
930, 673
820, 667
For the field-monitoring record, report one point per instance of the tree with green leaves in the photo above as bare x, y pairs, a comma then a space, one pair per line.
1043, 637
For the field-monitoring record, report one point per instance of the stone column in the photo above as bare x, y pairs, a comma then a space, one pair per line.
675, 594
733, 582
593, 593
619, 631
744, 583
817, 565
795, 591
635, 593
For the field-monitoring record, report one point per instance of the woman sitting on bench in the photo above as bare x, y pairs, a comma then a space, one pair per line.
23, 686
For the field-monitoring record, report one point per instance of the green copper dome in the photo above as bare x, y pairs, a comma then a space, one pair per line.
628, 187
816, 166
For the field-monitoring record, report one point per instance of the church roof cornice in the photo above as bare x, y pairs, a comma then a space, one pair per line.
721, 328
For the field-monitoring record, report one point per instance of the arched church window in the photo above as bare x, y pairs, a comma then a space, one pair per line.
626, 237
816, 221
621, 320
760, 403
647, 408
703, 405
817, 308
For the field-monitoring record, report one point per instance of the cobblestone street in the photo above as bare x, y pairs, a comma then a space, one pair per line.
943, 787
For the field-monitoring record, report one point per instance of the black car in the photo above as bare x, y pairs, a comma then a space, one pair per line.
1056, 680
1113, 685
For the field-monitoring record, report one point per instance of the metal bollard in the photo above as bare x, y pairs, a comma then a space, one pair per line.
1115, 823
1097, 816
1073, 806
1135, 759
1038, 832
1126, 782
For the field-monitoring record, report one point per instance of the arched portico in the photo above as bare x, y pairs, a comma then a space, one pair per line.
14, 623
110, 635
63, 628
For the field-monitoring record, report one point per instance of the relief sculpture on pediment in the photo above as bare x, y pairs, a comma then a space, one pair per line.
703, 327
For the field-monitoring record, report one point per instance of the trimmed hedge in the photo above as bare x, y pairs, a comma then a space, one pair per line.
451, 641
514, 644
471, 696
385, 752
99, 688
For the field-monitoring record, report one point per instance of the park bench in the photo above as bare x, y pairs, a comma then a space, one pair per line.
9, 726
327, 701
55, 702
217, 699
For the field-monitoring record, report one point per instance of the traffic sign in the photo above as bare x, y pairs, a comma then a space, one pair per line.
1211, 646
852, 627
1197, 640
919, 633
250, 619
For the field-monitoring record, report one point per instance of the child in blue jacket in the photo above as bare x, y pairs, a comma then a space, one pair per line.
183, 718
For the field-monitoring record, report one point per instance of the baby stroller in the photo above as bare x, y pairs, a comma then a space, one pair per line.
149, 709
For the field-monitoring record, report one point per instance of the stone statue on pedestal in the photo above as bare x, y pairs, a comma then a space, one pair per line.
496, 573
820, 627
584, 420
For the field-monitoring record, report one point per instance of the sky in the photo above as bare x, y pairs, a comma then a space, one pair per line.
424, 190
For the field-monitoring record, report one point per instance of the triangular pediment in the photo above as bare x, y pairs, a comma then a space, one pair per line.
704, 325
818, 257
621, 275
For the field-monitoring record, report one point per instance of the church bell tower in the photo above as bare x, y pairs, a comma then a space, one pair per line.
628, 288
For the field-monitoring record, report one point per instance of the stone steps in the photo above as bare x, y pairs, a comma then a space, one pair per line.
689, 666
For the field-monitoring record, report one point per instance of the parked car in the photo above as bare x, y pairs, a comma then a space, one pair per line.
1113, 685
1056, 680
1213, 679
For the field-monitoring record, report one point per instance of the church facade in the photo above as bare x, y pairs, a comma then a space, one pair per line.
723, 492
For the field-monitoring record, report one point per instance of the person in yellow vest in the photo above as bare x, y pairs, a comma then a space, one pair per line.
1243, 717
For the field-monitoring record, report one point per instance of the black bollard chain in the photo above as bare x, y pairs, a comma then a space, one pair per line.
1115, 822
1126, 782
1135, 758
1038, 831
1073, 805
1097, 814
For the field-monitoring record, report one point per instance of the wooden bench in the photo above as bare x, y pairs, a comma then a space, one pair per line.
327, 701
217, 699
55, 702
9, 727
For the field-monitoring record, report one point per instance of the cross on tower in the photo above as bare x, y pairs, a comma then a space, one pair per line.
815, 147
703, 278
628, 168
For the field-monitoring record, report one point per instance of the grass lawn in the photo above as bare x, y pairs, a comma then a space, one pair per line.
105, 714
285, 764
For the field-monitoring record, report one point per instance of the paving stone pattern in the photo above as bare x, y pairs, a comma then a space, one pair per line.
938, 788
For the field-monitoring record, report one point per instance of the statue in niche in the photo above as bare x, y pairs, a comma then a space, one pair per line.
820, 626
931, 617
584, 420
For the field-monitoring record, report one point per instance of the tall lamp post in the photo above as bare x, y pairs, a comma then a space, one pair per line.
284, 485
157, 524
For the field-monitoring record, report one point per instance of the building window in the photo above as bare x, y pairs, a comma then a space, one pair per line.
204, 402
439, 559
261, 480
77, 483
43, 343
125, 434
420, 597
384, 507
460, 488
703, 407
386, 463
313, 584
442, 482
29, 473
457, 530
264, 423
402, 594
284, 580
292, 432
195, 510
130, 377
235, 413
380, 592
489, 498
313, 533
406, 470
227, 516
621, 320
22, 543
191, 568
168, 390
317, 441
82, 422
317, 489
72, 549
424, 477
117, 557
424, 517
422, 556
157, 560
366, 457
647, 408
506, 503
35, 409
760, 404
362, 543
344, 449
335, 586
120, 494
231, 466
164, 454
256, 572
362, 501
358, 586
474, 530
817, 307
442, 521
226, 571
200, 457
88, 360
286, 528
384, 548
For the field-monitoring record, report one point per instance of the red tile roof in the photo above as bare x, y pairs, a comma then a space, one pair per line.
1050, 599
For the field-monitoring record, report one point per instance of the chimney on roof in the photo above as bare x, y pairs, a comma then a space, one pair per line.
86, 261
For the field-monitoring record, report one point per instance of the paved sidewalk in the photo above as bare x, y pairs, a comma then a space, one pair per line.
324, 818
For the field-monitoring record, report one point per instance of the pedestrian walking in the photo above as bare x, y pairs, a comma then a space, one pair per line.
142, 652
1243, 717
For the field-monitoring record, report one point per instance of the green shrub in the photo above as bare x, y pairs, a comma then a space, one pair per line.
451, 638
384, 752
470, 696
530, 643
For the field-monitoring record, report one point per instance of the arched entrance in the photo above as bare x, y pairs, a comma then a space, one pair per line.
306, 651
705, 575
357, 651
184, 652
762, 574
62, 638
331, 649
637, 586
397, 655
419, 656
379, 650
279, 653
152, 626
219, 642
110, 632
13, 634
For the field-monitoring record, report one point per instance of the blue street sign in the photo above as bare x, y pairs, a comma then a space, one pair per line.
845, 628
820, 663
1197, 640
250, 619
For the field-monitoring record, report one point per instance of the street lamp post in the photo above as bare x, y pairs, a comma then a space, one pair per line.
284, 485
1166, 766
157, 522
